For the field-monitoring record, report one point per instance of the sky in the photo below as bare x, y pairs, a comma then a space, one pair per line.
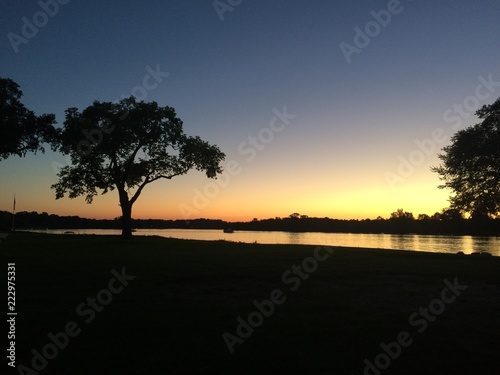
325, 108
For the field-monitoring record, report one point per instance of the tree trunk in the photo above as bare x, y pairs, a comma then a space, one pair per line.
126, 206
126, 220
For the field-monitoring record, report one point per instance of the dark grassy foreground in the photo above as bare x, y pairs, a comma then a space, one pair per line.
186, 294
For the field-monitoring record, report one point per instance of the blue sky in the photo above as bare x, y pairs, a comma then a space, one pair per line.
354, 122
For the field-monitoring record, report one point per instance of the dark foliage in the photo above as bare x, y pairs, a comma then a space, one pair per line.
21, 131
437, 224
471, 166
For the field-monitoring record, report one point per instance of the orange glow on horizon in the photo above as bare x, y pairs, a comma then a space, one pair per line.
258, 192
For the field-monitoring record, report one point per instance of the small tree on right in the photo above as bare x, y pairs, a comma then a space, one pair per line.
471, 166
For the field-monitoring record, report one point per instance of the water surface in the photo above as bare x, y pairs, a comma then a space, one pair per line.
415, 242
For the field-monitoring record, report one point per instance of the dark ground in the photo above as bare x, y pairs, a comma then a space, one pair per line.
171, 317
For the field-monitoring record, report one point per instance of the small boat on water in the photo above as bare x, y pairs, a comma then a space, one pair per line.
228, 230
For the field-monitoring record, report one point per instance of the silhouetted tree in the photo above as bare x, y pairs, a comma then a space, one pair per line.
471, 165
401, 221
401, 214
21, 131
436, 216
451, 214
126, 146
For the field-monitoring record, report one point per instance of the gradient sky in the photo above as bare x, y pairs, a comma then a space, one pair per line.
228, 75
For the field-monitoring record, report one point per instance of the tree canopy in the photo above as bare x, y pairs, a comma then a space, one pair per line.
126, 146
400, 214
21, 131
471, 166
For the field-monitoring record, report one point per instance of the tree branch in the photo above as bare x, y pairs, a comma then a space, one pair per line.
147, 181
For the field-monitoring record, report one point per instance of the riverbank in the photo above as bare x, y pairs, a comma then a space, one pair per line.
157, 305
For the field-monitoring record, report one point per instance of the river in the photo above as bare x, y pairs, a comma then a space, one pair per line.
415, 242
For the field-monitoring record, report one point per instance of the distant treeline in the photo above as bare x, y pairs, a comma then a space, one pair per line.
399, 222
